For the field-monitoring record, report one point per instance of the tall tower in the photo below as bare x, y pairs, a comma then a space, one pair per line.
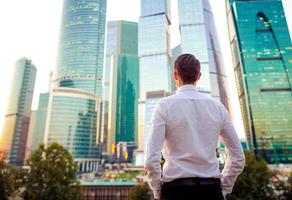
81, 46
121, 85
73, 116
38, 129
154, 52
15, 131
199, 37
262, 53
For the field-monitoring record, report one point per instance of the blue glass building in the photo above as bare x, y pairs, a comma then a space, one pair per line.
73, 117
199, 37
41, 117
152, 99
81, 45
154, 47
73, 122
17, 118
155, 68
262, 60
121, 83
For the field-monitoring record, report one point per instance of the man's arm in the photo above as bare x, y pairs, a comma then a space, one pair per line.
235, 156
153, 150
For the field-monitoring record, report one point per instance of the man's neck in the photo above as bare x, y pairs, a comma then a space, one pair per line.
186, 84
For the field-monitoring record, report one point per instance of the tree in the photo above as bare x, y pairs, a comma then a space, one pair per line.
139, 192
6, 178
52, 175
11, 180
288, 193
254, 182
286, 187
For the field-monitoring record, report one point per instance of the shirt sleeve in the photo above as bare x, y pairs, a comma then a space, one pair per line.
153, 150
235, 157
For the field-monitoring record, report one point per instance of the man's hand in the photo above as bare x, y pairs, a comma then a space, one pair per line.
224, 193
157, 194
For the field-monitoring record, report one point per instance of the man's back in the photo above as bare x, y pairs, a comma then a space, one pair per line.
186, 128
194, 122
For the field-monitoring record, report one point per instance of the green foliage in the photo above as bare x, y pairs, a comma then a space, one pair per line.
52, 175
254, 182
288, 189
127, 175
11, 180
6, 179
139, 192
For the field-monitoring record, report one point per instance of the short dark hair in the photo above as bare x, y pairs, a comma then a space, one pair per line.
188, 68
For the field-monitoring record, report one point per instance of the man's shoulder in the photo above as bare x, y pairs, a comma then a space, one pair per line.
214, 101
168, 98
198, 96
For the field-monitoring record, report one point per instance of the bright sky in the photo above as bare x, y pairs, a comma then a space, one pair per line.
30, 29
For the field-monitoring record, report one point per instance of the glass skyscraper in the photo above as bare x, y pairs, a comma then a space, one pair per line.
17, 118
152, 99
73, 122
121, 84
155, 70
41, 116
199, 37
262, 60
73, 116
30, 132
81, 45
154, 47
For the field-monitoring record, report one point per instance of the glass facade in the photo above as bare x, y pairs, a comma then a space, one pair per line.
150, 104
155, 69
154, 47
32, 122
16, 124
127, 98
73, 118
121, 83
176, 52
81, 45
262, 58
73, 122
199, 37
39, 127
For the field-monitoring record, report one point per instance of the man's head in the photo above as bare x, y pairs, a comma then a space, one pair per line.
187, 70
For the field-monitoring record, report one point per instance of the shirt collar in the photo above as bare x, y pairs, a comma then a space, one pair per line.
186, 87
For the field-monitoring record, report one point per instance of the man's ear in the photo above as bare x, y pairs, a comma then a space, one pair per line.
175, 75
199, 76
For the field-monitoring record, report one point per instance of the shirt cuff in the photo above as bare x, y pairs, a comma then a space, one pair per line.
224, 192
157, 194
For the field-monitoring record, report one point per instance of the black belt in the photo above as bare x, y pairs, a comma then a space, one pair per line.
193, 181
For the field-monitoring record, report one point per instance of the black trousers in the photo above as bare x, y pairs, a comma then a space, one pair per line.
192, 189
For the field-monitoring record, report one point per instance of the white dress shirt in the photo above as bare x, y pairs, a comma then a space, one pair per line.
186, 128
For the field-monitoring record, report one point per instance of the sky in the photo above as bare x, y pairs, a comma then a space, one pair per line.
30, 29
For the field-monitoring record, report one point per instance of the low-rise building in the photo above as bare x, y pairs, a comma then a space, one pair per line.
106, 190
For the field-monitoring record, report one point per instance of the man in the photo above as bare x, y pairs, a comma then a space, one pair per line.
186, 127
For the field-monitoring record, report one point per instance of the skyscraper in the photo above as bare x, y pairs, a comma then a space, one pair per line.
39, 127
73, 116
81, 46
154, 52
152, 99
199, 37
30, 132
262, 60
73, 121
154, 47
14, 136
121, 83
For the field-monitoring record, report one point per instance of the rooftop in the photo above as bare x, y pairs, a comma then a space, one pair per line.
107, 183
